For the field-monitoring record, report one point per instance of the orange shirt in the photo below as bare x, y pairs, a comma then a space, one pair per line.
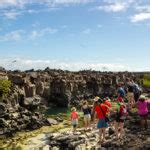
108, 103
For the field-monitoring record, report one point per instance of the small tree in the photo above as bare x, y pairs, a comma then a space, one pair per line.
5, 86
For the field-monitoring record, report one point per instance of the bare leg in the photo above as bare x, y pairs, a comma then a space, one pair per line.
85, 122
142, 123
146, 123
116, 130
103, 133
121, 124
100, 135
88, 123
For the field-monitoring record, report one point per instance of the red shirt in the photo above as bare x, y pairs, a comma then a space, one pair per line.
74, 115
100, 114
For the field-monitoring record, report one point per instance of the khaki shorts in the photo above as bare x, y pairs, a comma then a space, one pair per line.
87, 118
130, 96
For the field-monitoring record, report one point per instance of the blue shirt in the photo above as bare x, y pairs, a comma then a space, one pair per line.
121, 92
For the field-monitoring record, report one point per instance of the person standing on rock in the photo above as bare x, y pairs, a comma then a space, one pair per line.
101, 111
93, 114
74, 118
121, 92
142, 106
130, 93
121, 113
137, 91
87, 114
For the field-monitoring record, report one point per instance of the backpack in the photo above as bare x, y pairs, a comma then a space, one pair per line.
137, 89
122, 114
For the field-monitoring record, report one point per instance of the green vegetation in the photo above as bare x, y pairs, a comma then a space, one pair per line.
4, 87
146, 80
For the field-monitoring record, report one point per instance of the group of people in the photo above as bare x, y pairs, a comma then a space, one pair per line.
105, 115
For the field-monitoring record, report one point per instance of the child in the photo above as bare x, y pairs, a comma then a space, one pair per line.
87, 114
142, 106
74, 118
121, 114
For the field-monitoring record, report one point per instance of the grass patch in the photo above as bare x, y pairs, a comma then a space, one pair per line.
146, 80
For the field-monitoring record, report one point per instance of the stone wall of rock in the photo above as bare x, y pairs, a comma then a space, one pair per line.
32, 90
63, 87
13, 119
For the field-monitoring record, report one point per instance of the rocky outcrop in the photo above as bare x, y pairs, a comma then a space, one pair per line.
64, 139
33, 89
13, 119
63, 88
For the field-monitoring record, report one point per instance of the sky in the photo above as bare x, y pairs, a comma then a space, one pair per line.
105, 35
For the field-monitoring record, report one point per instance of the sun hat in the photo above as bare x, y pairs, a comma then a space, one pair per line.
142, 97
96, 98
73, 109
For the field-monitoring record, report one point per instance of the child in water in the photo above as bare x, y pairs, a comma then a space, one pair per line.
74, 118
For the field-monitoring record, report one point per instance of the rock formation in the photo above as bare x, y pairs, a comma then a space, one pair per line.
34, 89
63, 88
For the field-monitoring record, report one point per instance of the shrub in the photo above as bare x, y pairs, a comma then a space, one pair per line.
4, 87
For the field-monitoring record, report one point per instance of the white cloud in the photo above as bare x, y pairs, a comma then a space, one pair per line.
143, 8
20, 6
140, 17
12, 15
12, 36
115, 7
35, 34
22, 3
67, 2
12, 3
25, 64
18, 35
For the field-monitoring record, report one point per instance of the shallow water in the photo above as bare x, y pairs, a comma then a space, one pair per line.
56, 111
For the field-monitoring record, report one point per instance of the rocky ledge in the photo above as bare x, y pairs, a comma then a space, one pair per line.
13, 119
134, 138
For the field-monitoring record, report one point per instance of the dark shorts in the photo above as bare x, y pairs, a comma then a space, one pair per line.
75, 126
144, 116
119, 120
102, 124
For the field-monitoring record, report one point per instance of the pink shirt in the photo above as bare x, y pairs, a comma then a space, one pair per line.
142, 107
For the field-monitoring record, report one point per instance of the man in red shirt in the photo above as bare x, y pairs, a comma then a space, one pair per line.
101, 111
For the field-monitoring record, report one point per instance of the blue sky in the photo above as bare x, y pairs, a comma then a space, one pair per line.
75, 34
